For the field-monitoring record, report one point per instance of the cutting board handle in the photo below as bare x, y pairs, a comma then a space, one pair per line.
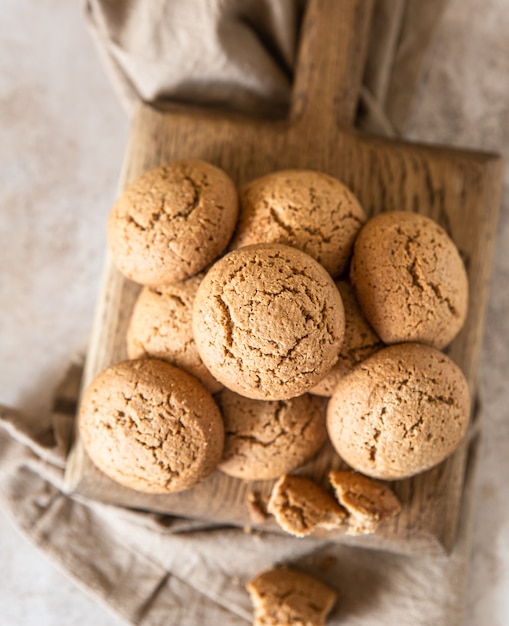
332, 54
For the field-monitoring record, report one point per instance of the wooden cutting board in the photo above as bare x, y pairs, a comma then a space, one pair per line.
459, 189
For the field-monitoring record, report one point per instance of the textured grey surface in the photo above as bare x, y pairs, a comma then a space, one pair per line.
62, 135
464, 100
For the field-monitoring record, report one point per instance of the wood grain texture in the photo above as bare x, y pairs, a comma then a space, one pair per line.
459, 189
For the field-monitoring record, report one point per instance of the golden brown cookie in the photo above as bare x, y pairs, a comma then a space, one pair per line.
268, 321
305, 209
284, 597
161, 327
264, 439
172, 221
151, 426
399, 412
368, 502
360, 342
409, 279
301, 505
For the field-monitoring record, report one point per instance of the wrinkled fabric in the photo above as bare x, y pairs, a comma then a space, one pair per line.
154, 569
236, 54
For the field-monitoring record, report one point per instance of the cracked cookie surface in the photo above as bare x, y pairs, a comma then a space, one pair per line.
151, 426
360, 341
172, 221
399, 412
368, 502
300, 505
268, 321
283, 596
409, 279
308, 210
161, 327
264, 439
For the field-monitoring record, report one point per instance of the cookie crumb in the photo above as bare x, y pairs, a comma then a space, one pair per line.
301, 505
257, 508
326, 562
283, 596
367, 501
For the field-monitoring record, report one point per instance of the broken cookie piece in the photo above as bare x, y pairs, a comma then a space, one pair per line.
301, 505
283, 596
367, 501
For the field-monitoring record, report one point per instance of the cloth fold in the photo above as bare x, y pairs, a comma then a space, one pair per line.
236, 54
152, 569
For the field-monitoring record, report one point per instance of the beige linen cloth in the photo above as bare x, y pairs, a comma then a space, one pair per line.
152, 569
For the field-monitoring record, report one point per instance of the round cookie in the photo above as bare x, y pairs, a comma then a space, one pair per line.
360, 342
409, 279
305, 209
161, 327
268, 321
267, 439
150, 426
172, 221
399, 412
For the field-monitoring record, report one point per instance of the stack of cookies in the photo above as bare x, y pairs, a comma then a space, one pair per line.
269, 320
